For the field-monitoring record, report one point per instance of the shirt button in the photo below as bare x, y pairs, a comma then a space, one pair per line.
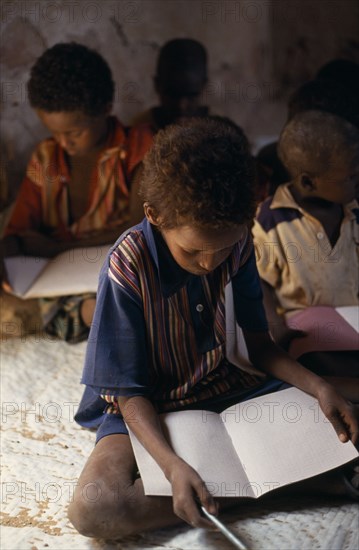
320, 235
199, 308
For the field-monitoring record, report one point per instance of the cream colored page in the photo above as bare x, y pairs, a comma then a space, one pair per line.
351, 315
284, 437
22, 271
75, 271
200, 439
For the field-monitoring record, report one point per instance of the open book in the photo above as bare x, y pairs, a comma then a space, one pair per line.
250, 448
72, 272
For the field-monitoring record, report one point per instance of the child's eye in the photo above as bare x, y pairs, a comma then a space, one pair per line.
75, 134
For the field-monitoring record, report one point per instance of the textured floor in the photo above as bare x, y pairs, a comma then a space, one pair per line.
43, 451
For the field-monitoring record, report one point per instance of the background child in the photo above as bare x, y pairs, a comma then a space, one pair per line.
306, 235
334, 90
158, 341
181, 76
343, 71
77, 186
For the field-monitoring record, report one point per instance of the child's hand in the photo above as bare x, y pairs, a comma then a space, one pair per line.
341, 413
188, 487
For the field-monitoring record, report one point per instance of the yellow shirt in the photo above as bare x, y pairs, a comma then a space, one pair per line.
295, 257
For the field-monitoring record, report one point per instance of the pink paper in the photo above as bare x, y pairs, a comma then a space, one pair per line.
326, 330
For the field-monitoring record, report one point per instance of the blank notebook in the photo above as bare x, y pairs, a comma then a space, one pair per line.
72, 272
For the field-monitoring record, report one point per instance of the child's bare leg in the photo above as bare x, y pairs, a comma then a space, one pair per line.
87, 310
109, 502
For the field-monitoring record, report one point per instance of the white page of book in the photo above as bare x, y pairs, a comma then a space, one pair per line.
75, 271
22, 272
284, 437
350, 314
199, 437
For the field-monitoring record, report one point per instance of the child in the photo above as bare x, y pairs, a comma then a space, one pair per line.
181, 76
77, 187
345, 71
317, 95
157, 342
306, 235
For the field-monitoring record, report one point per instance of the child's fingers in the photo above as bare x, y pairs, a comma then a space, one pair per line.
343, 429
204, 498
210, 505
207, 500
188, 510
188, 491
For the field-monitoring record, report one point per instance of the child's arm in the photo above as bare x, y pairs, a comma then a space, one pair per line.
281, 333
143, 420
267, 356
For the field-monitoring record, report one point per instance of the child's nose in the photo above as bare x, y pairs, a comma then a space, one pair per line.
209, 262
64, 141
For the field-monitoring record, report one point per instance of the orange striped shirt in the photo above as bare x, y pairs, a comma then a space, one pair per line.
43, 200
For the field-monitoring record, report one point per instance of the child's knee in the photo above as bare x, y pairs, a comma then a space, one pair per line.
100, 512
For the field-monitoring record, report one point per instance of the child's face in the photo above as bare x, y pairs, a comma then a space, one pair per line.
180, 94
76, 132
340, 183
200, 250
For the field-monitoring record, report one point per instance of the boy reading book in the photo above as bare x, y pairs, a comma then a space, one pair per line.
76, 192
158, 339
307, 235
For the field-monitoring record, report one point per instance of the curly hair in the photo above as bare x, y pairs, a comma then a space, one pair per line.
71, 77
182, 54
311, 139
200, 171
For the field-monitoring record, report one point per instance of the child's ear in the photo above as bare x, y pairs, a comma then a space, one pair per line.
151, 214
307, 182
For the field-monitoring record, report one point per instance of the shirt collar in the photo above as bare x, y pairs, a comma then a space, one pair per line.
172, 277
283, 198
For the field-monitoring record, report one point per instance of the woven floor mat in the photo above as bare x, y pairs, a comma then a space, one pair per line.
43, 452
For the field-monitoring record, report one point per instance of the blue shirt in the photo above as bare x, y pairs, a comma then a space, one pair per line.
159, 331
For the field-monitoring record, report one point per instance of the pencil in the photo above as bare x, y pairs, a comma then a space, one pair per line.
223, 529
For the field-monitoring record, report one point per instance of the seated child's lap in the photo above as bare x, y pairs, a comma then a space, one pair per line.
114, 424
